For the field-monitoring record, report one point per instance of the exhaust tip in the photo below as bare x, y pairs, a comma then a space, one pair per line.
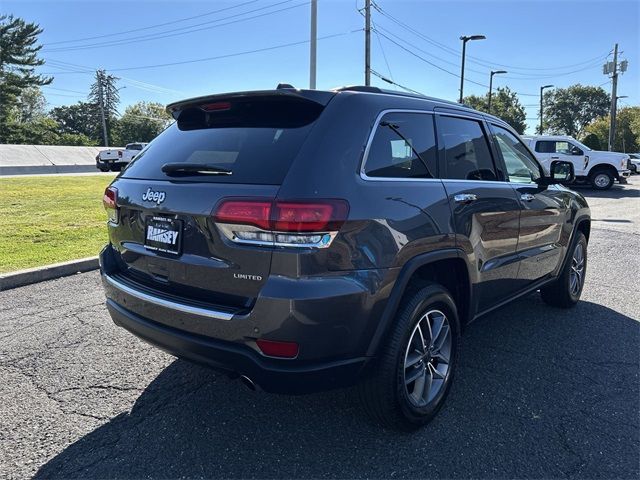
247, 382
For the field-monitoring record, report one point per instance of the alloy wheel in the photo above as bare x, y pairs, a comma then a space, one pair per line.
576, 276
426, 361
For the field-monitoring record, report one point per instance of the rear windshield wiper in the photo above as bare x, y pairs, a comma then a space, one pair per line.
194, 168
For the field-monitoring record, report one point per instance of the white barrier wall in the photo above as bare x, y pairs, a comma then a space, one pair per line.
17, 159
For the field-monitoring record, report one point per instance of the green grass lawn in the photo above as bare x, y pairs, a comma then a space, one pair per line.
50, 219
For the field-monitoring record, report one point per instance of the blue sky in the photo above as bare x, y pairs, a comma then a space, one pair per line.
538, 42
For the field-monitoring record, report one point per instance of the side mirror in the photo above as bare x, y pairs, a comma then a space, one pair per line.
576, 151
561, 172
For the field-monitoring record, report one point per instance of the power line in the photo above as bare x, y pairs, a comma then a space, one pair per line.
152, 26
444, 69
75, 68
181, 30
383, 78
474, 59
64, 90
229, 55
384, 55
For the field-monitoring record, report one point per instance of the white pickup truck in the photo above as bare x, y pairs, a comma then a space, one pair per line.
600, 169
116, 158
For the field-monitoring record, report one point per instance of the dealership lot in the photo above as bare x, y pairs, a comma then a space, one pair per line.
540, 392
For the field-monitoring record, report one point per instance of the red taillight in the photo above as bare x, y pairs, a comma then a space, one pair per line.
278, 349
110, 202
110, 197
321, 216
289, 216
244, 212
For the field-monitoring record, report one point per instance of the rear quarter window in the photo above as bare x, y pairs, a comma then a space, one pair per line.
402, 144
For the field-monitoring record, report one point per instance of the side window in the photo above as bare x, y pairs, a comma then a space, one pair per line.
563, 147
521, 167
402, 144
545, 146
467, 154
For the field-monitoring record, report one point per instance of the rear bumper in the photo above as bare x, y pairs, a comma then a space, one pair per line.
331, 318
276, 376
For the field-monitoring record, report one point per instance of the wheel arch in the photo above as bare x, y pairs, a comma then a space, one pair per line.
600, 167
447, 267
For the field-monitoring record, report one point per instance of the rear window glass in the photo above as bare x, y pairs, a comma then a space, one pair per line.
257, 139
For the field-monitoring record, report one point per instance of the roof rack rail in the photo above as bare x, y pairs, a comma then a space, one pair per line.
359, 88
282, 86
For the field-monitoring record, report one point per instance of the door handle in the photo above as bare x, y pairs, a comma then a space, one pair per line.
465, 197
527, 197
555, 158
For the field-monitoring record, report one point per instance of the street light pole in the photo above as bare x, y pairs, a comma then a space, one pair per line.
465, 39
541, 112
491, 86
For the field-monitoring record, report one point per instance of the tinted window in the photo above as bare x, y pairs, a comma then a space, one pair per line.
545, 146
521, 168
402, 144
256, 139
134, 146
467, 154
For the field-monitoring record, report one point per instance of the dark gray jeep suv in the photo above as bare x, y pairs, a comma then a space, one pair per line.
305, 240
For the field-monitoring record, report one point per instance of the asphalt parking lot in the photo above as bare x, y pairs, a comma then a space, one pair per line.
540, 392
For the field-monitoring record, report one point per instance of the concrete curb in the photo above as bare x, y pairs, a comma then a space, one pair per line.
49, 272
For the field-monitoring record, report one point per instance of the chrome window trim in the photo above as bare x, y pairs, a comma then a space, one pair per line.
367, 148
181, 307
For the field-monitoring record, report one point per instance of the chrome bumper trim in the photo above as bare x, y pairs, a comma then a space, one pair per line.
181, 307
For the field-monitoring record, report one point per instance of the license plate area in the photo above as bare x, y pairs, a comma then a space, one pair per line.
162, 234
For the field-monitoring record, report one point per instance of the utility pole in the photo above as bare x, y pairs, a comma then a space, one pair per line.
312, 43
101, 102
367, 42
614, 98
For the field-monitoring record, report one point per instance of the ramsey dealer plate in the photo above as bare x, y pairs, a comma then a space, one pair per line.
163, 235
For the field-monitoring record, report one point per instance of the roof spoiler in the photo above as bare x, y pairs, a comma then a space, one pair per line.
283, 91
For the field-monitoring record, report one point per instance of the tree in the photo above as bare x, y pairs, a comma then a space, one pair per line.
504, 104
567, 111
31, 105
104, 94
142, 122
42, 131
592, 141
81, 118
627, 130
18, 59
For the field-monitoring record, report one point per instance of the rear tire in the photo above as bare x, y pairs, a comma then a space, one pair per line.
410, 380
601, 179
566, 290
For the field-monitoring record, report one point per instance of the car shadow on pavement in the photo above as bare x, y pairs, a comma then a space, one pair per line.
616, 191
539, 392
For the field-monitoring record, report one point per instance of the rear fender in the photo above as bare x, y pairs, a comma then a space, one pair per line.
400, 287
